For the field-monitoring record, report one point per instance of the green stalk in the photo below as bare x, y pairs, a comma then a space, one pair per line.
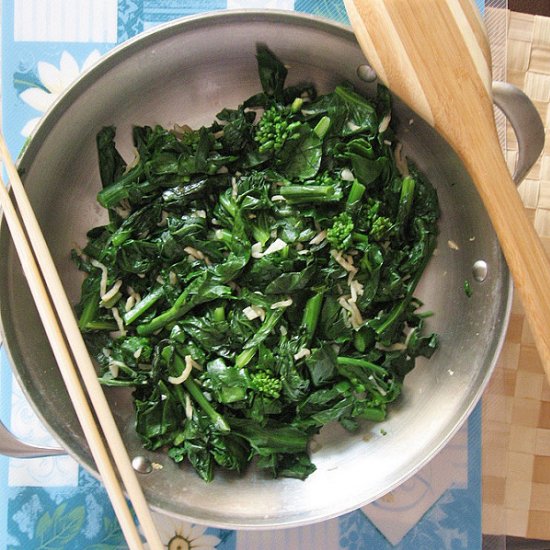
177, 310
110, 196
120, 236
310, 318
392, 316
217, 419
362, 148
245, 357
219, 314
398, 309
360, 341
405, 200
226, 200
322, 127
89, 311
262, 228
143, 305
375, 415
296, 194
199, 291
100, 325
171, 314
360, 237
353, 362
267, 327
356, 192
195, 392
296, 105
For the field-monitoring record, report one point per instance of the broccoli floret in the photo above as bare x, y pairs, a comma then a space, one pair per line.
325, 178
275, 127
373, 208
189, 136
380, 228
264, 383
377, 226
340, 234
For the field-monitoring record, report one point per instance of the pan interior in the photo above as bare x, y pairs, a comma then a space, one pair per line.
185, 73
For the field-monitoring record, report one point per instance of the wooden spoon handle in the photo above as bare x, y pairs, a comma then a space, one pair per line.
435, 56
522, 248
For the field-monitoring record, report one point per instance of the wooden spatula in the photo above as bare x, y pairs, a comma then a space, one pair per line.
435, 55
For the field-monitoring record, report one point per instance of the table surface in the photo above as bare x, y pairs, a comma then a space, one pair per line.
516, 405
509, 433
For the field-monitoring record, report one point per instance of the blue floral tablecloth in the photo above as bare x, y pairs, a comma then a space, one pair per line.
52, 503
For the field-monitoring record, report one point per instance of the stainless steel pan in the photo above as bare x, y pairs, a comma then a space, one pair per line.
186, 72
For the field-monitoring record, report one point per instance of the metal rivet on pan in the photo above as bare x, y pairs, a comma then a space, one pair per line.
366, 73
480, 270
142, 465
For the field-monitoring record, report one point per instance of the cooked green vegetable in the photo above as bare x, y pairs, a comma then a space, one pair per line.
255, 280
339, 235
275, 127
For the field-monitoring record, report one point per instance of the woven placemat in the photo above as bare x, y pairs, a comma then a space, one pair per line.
516, 405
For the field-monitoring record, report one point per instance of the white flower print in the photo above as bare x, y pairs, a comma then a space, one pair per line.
180, 535
55, 80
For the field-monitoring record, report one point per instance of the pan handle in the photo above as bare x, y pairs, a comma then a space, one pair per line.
15, 448
526, 123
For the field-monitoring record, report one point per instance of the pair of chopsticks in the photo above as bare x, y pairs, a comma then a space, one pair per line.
56, 314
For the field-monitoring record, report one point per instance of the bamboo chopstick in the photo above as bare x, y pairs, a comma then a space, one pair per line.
72, 382
39, 271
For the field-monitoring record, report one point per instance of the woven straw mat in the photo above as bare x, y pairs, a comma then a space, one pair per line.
516, 404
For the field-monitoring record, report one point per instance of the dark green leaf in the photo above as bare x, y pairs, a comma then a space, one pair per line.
272, 72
